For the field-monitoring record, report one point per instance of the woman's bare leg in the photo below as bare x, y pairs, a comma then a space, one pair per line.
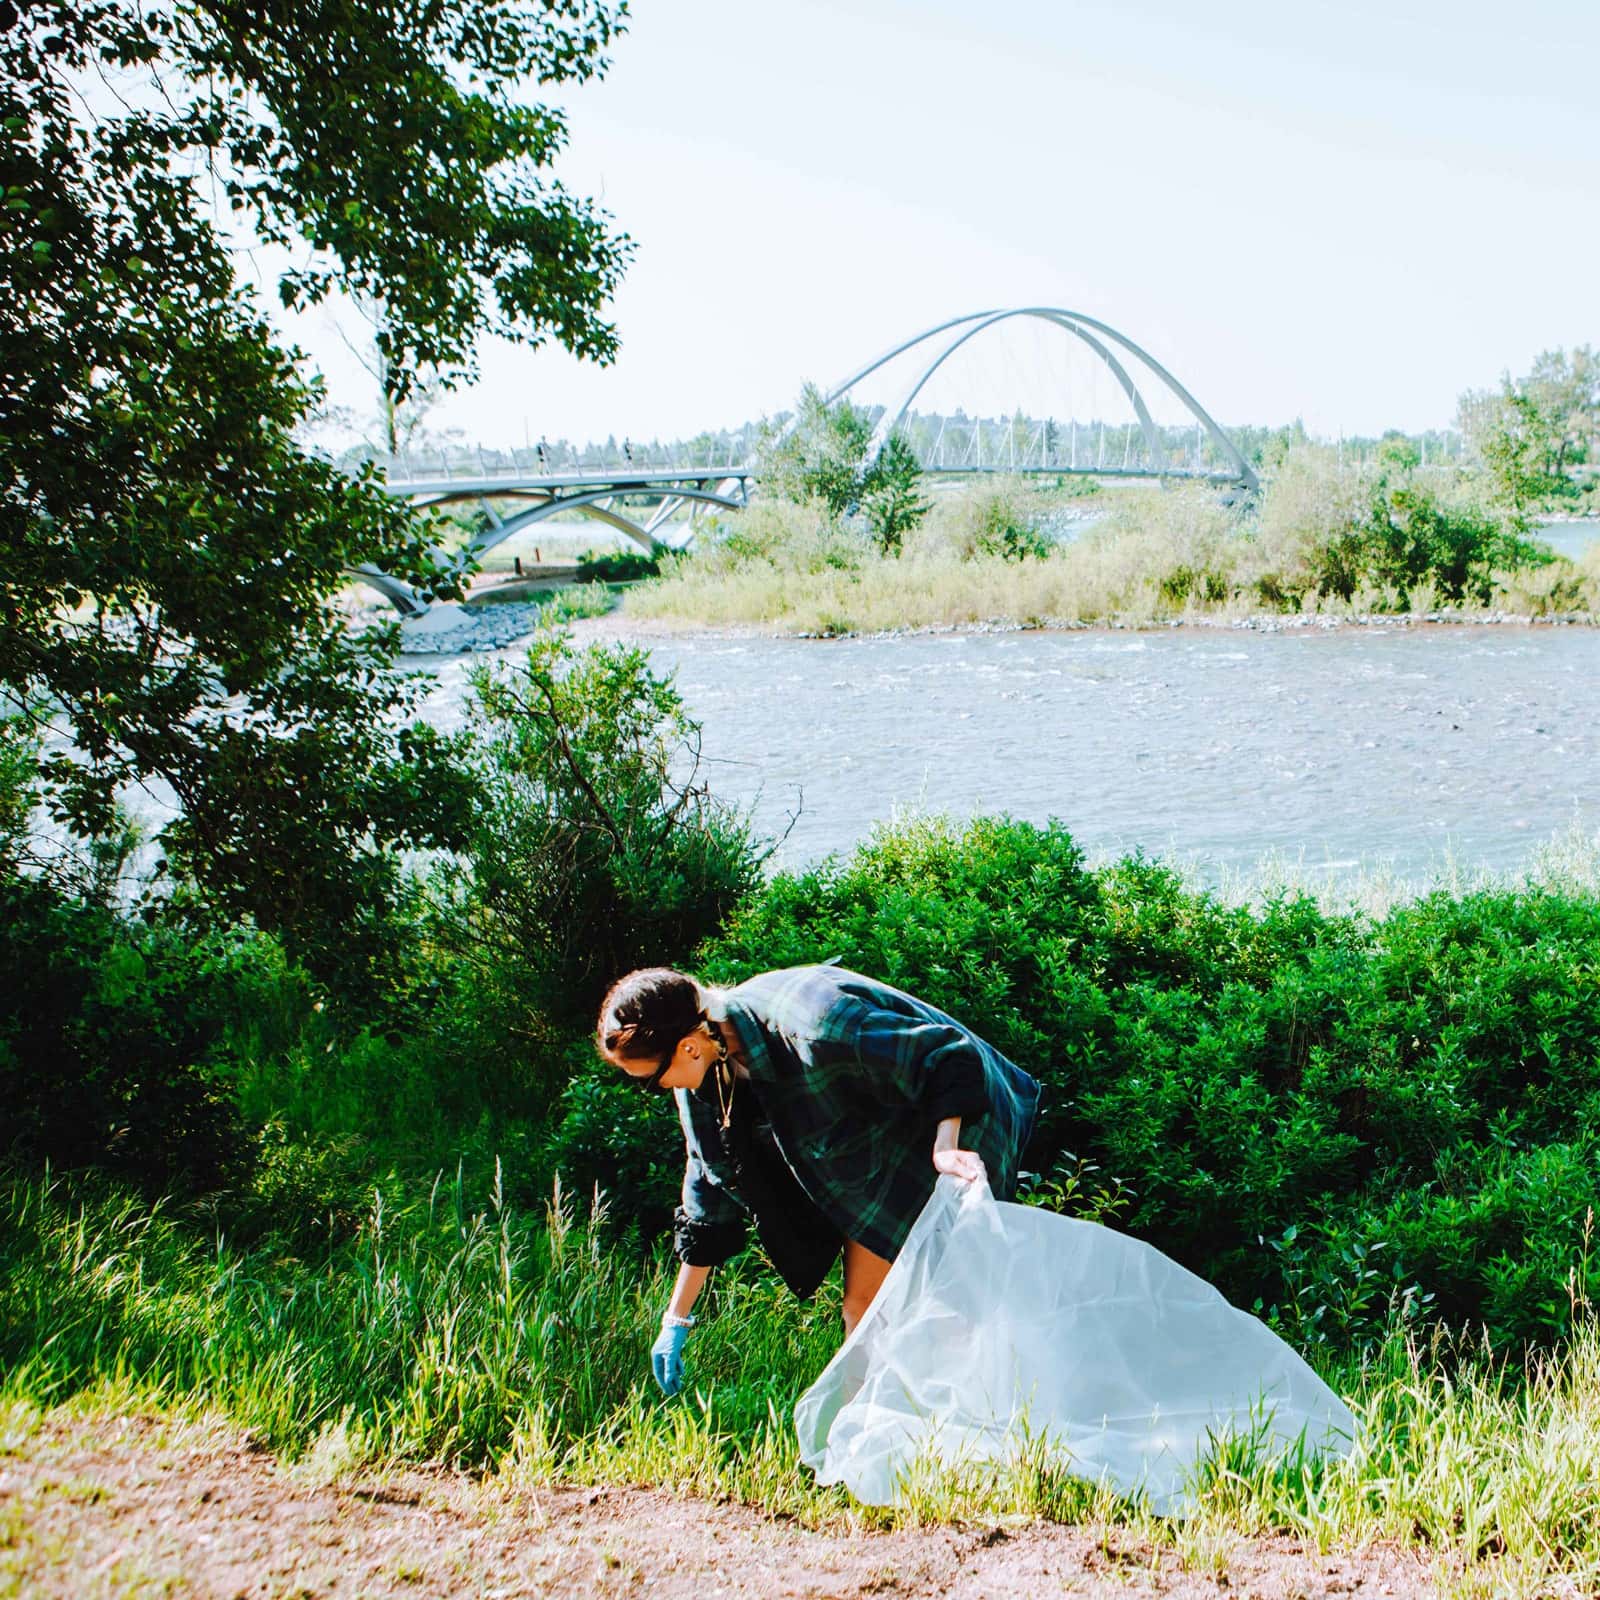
864, 1273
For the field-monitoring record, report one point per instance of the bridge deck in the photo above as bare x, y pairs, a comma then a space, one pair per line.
663, 478
1060, 470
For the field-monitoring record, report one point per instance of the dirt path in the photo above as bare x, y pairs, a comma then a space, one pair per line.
140, 1507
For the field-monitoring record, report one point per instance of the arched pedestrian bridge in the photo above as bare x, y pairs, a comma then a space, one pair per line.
1163, 433
1191, 446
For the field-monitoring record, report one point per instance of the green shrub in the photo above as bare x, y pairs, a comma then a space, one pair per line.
598, 847
1340, 1120
1000, 517
112, 1043
1184, 583
613, 1141
1409, 538
462, 1084
1383, 536
619, 566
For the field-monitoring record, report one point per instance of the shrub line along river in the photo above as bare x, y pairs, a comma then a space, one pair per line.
1349, 749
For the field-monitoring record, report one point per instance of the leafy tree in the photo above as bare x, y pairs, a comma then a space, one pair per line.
891, 494
1514, 441
825, 454
1566, 389
1536, 429
821, 454
171, 552
1398, 454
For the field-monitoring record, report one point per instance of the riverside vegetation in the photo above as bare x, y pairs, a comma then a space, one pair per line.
837, 544
401, 1216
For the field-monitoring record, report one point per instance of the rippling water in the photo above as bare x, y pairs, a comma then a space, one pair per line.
1352, 747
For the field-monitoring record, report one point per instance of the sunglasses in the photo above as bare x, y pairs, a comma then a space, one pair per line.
653, 1082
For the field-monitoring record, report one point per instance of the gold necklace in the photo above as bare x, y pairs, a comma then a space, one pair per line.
724, 1081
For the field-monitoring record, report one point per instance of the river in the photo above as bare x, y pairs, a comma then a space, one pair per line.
1348, 750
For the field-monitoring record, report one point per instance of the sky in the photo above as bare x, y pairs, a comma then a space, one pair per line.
1347, 213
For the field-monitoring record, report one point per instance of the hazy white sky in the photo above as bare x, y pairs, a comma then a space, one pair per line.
1345, 212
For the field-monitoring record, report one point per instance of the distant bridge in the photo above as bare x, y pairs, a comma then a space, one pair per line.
603, 495
1039, 452
605, 492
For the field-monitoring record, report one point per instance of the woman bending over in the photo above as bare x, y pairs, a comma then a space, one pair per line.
821, 1103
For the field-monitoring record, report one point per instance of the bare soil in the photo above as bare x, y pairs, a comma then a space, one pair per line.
136, 1506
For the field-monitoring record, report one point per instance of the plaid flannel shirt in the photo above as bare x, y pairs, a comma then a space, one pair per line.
855, 1077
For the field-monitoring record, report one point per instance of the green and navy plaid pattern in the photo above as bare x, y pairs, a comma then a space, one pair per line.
855, 1077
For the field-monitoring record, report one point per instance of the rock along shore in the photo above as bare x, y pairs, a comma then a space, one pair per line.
452, 629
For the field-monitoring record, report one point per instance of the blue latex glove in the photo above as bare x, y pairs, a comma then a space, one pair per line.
666, 1359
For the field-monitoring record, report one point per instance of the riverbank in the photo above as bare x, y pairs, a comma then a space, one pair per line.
476, 630
351, 1364
623, 627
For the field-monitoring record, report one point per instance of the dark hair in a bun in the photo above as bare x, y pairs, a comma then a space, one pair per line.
646, 1013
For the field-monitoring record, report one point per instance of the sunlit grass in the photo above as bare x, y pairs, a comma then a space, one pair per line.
446, 1331
453, 1331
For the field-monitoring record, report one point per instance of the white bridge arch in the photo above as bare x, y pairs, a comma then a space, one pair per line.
1099, 337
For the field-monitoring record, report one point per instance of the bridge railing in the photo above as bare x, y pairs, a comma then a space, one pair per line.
483, 462
944, 444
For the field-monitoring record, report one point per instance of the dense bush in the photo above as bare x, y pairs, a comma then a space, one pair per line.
618, 566
1387, 538
1340, 1120
112, 1042
598, 846
1406, 538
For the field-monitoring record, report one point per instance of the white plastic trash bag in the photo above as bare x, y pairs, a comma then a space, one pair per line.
1000, 1323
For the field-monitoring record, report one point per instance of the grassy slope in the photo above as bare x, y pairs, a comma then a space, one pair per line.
470, 1336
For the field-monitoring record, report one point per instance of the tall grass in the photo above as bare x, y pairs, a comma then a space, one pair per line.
454, 1333
1492, 1467
444, 1331
1154, 556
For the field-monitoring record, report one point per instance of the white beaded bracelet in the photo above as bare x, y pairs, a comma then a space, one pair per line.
670, 1321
